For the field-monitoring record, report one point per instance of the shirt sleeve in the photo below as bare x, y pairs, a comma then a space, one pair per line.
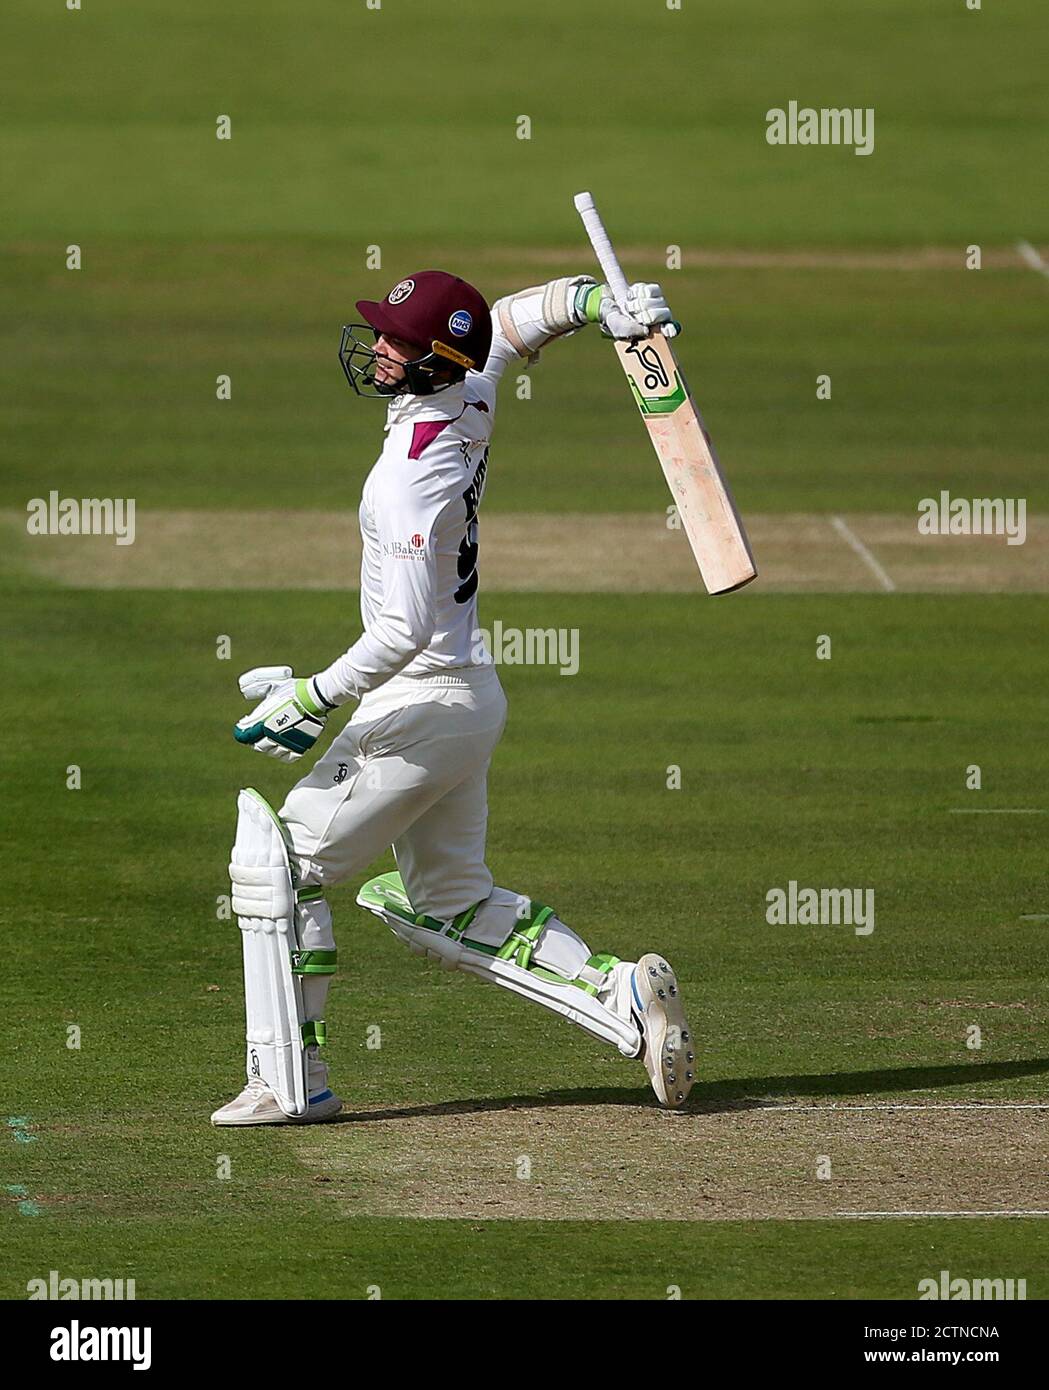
406, 520
523, 323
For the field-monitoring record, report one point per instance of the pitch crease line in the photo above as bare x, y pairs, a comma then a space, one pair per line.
851, 539
1032, 258
991, 1105
903, 1215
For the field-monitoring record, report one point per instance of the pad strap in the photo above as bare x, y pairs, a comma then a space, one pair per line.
314, 962
593, 976
520, 944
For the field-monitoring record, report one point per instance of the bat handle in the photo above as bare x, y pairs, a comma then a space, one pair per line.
603, 248
607, 259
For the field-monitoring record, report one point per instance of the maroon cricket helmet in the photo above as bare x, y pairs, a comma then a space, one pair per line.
435, 310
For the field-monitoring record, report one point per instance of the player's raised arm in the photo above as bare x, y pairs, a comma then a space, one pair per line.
523, 323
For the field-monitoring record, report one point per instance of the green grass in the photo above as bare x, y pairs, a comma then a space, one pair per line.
833, 773
110, 377
354, 124
354, 128
294, 1251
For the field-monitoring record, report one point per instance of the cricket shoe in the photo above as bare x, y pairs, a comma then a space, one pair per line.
666, 1046
257, 1105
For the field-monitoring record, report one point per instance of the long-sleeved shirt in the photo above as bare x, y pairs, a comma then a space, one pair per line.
419, 527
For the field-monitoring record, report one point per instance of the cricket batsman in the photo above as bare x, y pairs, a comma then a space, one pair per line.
409, 770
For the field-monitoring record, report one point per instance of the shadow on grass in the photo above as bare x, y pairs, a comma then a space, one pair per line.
743, 1093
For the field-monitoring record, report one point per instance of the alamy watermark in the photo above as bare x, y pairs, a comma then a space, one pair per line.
84, 516
823, 907
829, 125
84, 1343
977, 516
82, 1290
529, 646
976, 1290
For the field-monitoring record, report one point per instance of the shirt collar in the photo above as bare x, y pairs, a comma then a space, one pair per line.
445, 405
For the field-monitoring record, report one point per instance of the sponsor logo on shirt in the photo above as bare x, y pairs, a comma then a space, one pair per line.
398, 550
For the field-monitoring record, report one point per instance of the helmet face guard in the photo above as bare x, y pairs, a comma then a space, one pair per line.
434, 371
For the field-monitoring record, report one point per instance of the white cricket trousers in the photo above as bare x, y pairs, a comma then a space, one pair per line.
409, 770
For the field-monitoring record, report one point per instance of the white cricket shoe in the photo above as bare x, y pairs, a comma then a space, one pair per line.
666, 1049
257, 1105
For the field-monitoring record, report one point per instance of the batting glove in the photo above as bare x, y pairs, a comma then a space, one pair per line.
290, 718
648, 304
646, 309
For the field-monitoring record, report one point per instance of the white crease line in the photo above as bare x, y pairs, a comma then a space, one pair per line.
1033, 259
990, 1105
996, 811
901, 1215
865, 555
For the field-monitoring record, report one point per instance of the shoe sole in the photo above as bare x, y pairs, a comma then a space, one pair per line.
669, 1053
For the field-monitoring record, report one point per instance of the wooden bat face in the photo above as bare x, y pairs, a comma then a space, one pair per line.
690, 464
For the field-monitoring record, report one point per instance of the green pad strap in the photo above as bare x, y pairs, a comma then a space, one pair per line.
532, 934
430, 923
309, 894
387, 892
453, 929
314, 962
456, 929
521, 942
601, 964
314, 1033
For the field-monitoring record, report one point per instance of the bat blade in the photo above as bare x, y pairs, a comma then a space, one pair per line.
690, 464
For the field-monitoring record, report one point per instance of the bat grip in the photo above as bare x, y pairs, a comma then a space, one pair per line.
603, 249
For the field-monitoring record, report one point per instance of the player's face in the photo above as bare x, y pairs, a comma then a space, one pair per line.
391, 353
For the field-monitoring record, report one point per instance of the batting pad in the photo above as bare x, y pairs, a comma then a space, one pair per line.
455, 945
264, 901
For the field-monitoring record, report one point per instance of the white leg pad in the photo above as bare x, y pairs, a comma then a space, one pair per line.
566, 998
264, 901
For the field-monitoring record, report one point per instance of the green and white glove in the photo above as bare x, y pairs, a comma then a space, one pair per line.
290, 718
646, 309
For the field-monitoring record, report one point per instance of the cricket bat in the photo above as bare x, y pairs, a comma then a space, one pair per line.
678, 435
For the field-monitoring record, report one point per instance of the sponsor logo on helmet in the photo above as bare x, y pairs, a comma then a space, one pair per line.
400, 291
460, 323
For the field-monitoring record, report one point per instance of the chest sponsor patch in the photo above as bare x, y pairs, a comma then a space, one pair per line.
415, 549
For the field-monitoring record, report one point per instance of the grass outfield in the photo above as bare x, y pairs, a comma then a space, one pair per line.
244, 257
937, 382
839, 1075
843, 772
358, 124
